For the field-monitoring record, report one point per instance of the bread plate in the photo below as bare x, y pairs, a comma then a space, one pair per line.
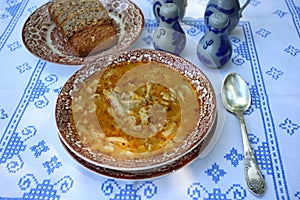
41, 37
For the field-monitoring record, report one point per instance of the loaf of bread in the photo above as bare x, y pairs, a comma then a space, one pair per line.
85, 24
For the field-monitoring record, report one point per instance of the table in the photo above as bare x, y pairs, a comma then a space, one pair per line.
266, 52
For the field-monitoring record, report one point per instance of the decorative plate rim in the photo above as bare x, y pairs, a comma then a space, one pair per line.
43, 50
192, 72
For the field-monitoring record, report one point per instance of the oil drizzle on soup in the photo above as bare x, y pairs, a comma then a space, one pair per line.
135, 109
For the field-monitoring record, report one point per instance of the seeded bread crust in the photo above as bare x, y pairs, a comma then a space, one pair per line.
85, 24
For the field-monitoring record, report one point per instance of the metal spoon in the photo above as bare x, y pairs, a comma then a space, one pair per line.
236, 98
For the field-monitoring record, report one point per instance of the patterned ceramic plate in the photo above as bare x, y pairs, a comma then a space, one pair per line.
150, 173
160, 108
42, 38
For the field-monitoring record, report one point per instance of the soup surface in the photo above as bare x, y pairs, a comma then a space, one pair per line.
133, 110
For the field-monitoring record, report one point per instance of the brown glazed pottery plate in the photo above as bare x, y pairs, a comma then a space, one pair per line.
150, 173
136, 111
41, 37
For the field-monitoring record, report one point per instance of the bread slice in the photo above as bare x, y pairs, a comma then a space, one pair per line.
85, 24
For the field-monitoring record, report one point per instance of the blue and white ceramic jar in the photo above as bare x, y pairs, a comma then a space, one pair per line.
157, 4
229, 7
214, 48
169, 36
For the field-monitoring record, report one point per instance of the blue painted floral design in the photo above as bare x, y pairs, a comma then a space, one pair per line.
198, 192
39, 148
263, 157
23, 68
215, 172
115, 191
254, 3
234, 157
52, 164
14, 46
292, 50
274, 73
280, 13
289, 126
263, 32
45, 189
14, 146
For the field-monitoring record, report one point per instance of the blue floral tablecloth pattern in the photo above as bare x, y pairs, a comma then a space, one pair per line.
266, 51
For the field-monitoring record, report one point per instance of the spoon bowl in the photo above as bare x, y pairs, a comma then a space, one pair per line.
237, 99
236, 95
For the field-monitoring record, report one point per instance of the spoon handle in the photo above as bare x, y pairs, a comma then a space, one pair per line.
254, 178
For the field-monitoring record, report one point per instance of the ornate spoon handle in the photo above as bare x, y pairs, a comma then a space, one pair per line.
254, 178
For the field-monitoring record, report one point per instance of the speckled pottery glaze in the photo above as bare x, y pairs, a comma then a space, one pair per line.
229, 7
157, 4
169, 36
214, 48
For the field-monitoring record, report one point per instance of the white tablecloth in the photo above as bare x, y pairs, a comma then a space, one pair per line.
266, 52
